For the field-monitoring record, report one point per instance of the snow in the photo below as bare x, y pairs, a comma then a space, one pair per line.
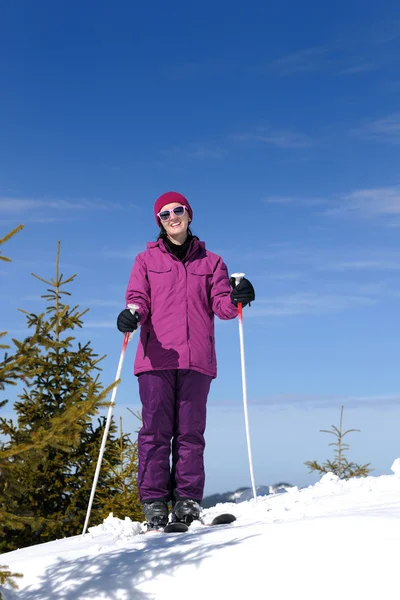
396, 467
335, 539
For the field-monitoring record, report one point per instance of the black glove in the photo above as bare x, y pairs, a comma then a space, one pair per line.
127, 321
243, 292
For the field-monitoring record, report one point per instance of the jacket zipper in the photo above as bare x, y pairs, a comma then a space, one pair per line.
146, 344
211, 349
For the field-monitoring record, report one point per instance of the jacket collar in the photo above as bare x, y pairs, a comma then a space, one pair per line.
197, 245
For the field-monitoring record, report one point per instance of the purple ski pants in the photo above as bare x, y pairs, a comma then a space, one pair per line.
173, 410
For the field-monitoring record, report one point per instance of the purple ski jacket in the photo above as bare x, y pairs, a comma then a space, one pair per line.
177, 303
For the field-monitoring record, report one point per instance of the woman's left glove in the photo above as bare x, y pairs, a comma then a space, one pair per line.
243, 292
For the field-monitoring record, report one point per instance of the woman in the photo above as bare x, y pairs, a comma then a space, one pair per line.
178, 286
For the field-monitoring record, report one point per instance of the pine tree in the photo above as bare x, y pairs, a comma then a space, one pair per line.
340, 466
62, 394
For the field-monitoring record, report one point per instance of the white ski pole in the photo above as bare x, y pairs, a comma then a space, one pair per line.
127, 337
238, 277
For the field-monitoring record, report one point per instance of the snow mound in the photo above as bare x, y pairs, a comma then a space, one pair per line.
328, 478
396, 467
121, 530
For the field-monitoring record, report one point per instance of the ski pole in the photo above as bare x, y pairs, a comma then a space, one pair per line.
238, 277
127, 337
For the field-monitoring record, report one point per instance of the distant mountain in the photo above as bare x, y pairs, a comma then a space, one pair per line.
244, 493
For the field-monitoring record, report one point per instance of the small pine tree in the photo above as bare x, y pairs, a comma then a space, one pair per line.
61, 396
125, 500
340, 466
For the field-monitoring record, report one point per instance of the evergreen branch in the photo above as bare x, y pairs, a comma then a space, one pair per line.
3, 346
71, 278
344, 446
8, 577
7, 237
41, 279
138, 415
349, 431
336, 430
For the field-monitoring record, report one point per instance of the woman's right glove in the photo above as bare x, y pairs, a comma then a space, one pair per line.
243, 292
128, 322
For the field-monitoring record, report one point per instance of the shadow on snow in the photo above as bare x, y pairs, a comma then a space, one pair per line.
119, 572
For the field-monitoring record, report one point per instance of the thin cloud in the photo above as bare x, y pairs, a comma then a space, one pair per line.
124, 253
334, 59
386, 129
105, 324
307, 401
367, 203
302, 61
307, 304
352, 53
364, 265
296, 200
17, 205
283, 276
276, 138
92, 302
364, 203
195, 151
363, 66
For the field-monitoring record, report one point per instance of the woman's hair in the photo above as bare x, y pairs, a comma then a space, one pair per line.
163, 234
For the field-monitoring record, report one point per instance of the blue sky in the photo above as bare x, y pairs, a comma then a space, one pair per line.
281, 124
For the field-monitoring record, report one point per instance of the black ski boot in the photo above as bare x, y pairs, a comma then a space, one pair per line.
186, 511
156, 514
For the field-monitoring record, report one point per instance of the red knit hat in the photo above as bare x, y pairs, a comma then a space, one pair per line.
169, 198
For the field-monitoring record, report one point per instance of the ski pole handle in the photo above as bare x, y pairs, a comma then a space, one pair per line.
238, 277
133, 308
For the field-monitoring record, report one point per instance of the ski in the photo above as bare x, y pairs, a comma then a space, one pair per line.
179, 527
222, 519
175, 527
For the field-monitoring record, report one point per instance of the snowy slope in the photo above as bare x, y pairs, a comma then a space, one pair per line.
336, 539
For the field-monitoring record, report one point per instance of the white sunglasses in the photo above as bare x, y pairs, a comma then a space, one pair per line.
165, 215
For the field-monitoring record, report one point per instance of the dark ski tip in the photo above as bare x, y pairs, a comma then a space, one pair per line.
223, 519
176, 528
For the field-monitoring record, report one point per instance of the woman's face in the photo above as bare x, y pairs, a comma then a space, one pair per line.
175, 226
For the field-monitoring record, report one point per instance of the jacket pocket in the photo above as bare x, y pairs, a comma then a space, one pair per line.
200, 281
201, 269
160, 279
160, 270
211, 349
146, 343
